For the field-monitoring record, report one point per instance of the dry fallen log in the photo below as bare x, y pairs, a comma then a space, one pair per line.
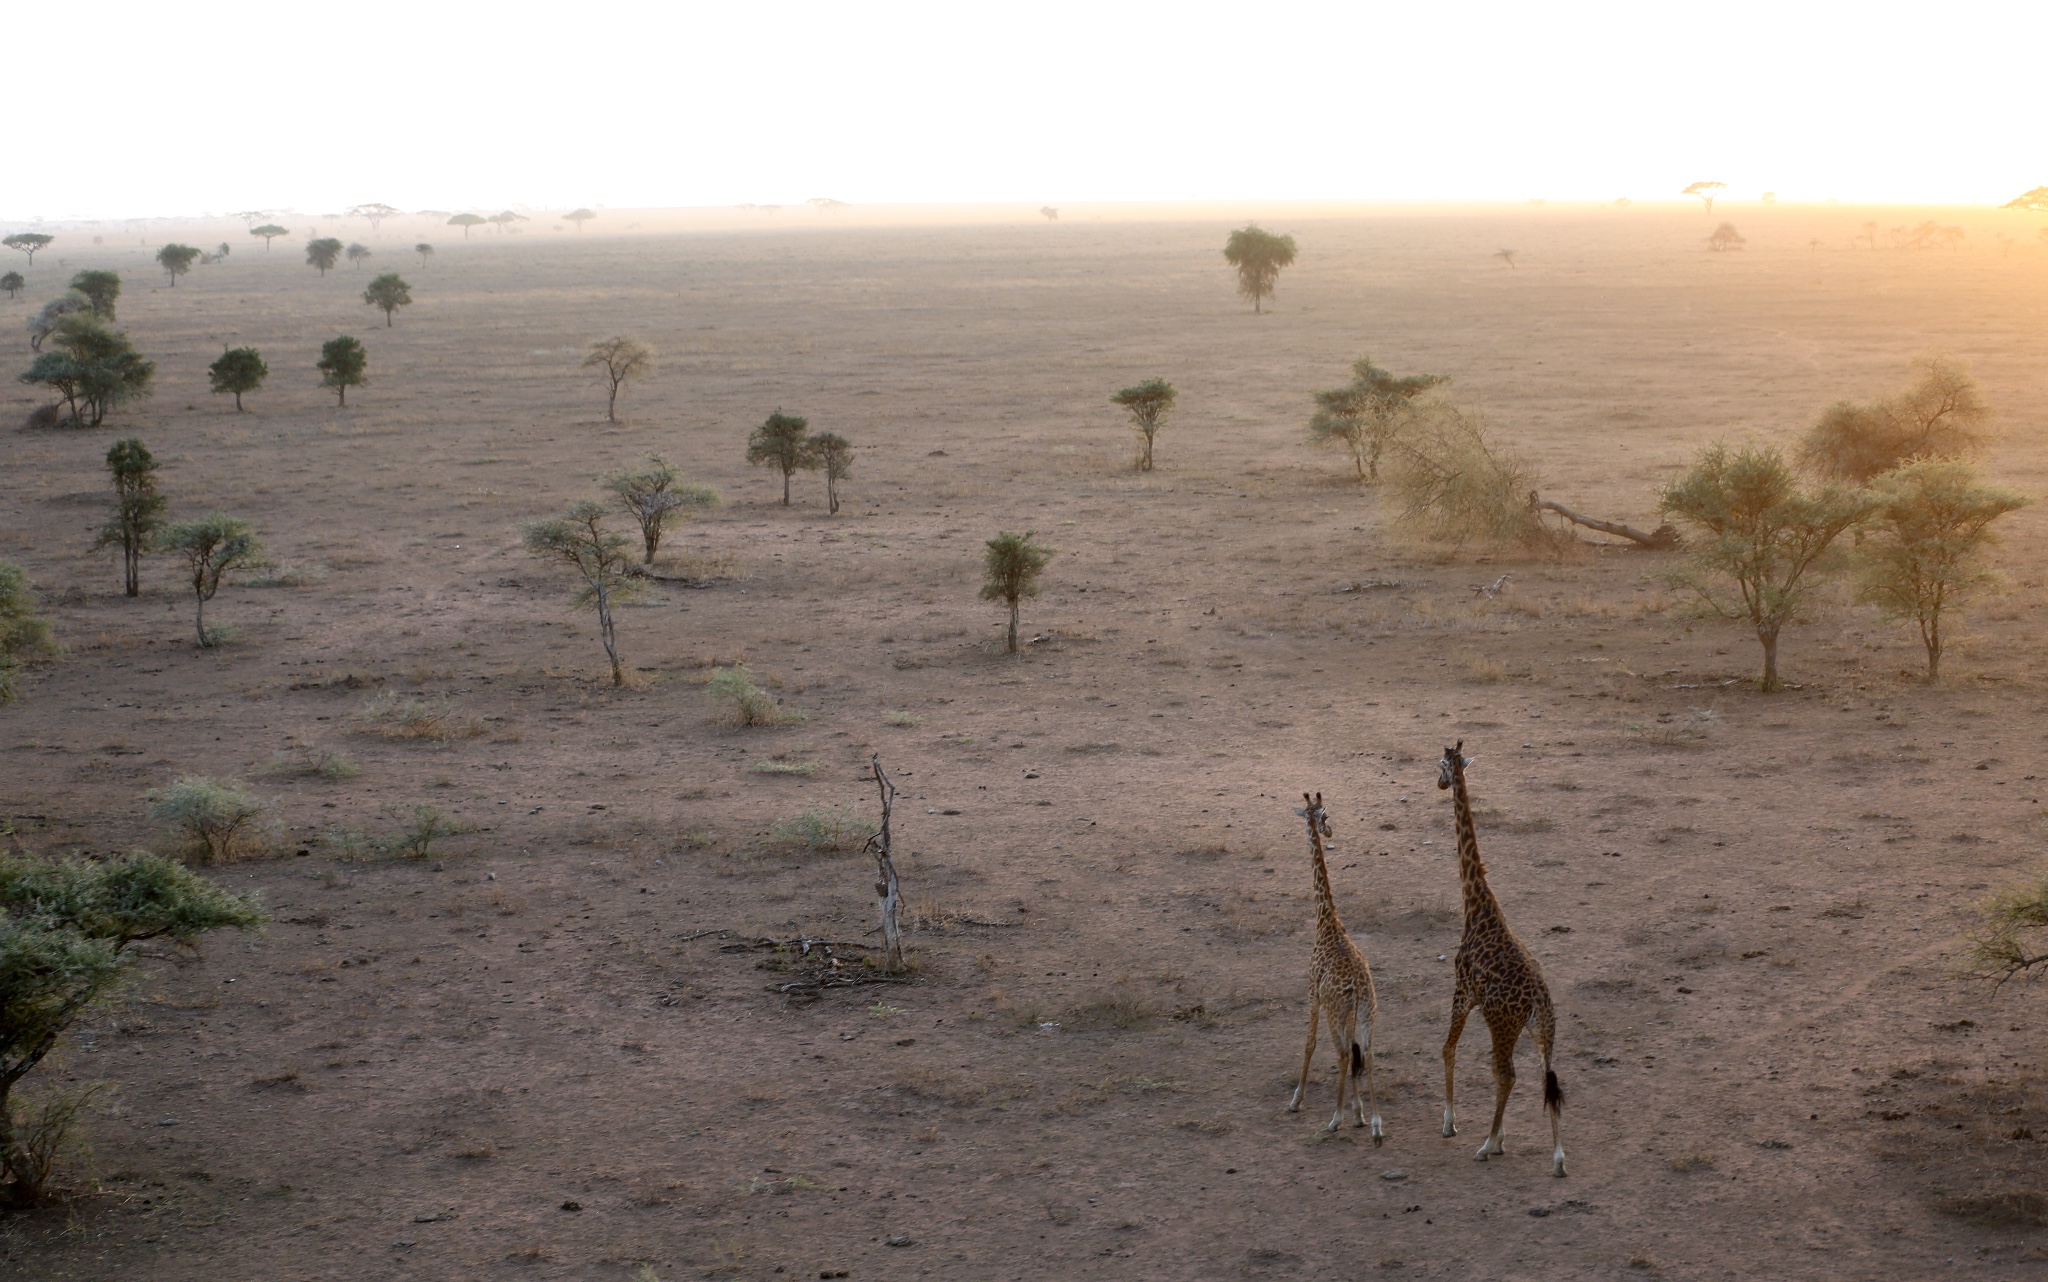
1664, 538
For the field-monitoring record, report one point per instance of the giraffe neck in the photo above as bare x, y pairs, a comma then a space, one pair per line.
1480, 905
1326, 903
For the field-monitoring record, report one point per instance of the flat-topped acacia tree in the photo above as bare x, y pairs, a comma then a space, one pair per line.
343, 364
269, 232
466, 221
323, 253
389, 292
579, 217
1010, 570
176, 260
782, 442
138, 509
1259, 257
28, 242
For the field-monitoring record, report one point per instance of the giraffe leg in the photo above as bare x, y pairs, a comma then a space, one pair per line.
1341, 1038
1372, 1090
1505, 1034
1308, 1055
1460, 1008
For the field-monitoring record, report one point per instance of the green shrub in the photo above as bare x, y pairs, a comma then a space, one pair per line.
217, 818
24, 634
304, 763
739, 702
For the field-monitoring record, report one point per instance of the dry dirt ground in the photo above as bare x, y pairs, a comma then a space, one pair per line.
1749, 908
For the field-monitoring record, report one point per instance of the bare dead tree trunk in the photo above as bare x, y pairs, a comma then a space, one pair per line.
1660, 539
888, 895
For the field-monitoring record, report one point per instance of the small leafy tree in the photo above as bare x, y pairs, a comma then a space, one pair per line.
1932, 521
1760, 559
782, 442
101, 289
619, 360
389, 292
1365, 418
210, 547
1010, 570
176, 260
93, 367
1149, 403
323, 253
65, 930
24, 634
269, 232
656, 497
214, 817
12, 283
28, 242
138, 509
425, 251
237, 370
603, 560
44, 323
2011, 936
343, 364
834, 457
1941, 416
356, 253
466, 221
1725, 237
579, 217
1258, 256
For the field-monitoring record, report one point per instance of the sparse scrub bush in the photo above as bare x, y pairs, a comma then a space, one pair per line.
1458, 485
65, 928
396, 716
304, 763
1941, 416
835, 830
427, 827
24, 634
739, 702
599, 557
656, 497
2010, 938
1931, 523
216, 817
210, 547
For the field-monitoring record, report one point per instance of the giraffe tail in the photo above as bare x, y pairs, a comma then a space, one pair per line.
1357, 1059
1553, 1094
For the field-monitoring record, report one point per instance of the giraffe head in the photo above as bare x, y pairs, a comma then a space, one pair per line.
1318, 818
1452, 767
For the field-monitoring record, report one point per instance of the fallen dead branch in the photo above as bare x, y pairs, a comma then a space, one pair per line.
1664, 538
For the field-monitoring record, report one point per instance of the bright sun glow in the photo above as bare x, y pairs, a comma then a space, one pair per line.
134, 109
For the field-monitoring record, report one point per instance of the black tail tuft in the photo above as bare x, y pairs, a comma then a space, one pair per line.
1553, 1094
1357, 1059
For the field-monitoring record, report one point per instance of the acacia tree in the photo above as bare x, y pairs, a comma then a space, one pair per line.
2011, 935
24, 634
466, 221
323, 253
343, 364
1705, 191
834, 455
389, 292
1921, 558
269, 232
1365, 417
425, 251
1725, 238
602, 559
504, 219
210, 547
579, 217
2036, 199
101, 289
237, 370
1941, 416
92, 367
374, 213
1258, 256
1009, 571
176, 260
657, 497
619, 360
65, 930
356, 253
28, 242
138, 509
1764, 539
12, 283
782, 442
1149, 403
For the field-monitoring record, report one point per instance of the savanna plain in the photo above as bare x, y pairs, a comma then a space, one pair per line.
578, 1041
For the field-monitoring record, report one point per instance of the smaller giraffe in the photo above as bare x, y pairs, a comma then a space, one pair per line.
1340, 987
1498, 977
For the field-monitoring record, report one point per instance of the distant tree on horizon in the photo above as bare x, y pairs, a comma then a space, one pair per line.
425, 251
504, 218
1725, 237
376, 214
356, 254
389, 292
782, 442
138, 508
237, 370
269, 232
1705, 191
176, 260
1050, 214
101, 288
343, 364
1149, 403
28, 242
323, 253
12, 284
1507, 256
1258, 256
2035, 199
621, 360
466, 221
579, 217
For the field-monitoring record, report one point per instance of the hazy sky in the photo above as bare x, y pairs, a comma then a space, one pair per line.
425, 104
